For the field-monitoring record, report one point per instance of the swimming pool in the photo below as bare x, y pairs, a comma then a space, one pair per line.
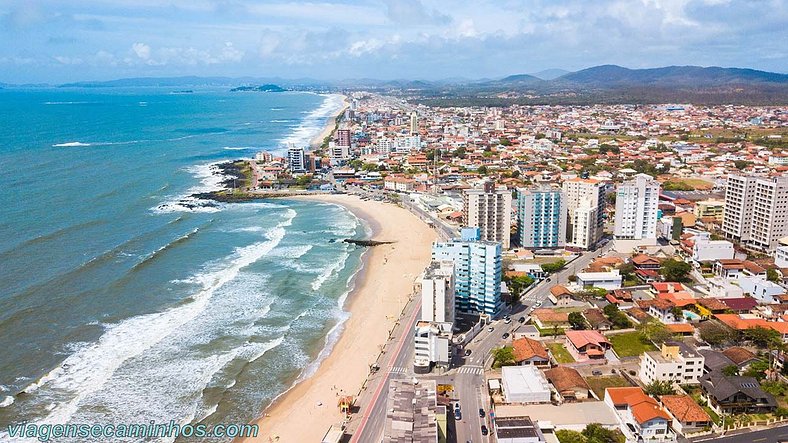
689, 315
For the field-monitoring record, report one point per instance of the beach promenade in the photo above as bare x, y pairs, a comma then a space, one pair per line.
382, 290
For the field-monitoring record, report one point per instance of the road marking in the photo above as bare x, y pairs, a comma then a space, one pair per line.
399, 370
405, 336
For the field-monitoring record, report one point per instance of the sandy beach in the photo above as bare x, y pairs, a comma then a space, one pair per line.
328, 129
382, 288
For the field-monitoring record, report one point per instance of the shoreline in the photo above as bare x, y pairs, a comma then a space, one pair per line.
329, 127
380, 289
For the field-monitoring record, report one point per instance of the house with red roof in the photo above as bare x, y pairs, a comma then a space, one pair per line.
587, 345
530, 352
641, 418
687, 415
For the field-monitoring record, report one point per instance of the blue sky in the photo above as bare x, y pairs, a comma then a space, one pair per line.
65, 40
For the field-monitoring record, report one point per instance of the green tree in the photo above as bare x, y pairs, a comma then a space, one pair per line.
675, 270
517, 285
659, 387
482, 170
741, 164
730, 370
567, 436
595, 433
554, 267
459, 152
504, 141
757, 369
577, 321
503, 356
654, 331
772, 275
715, 334
762, 337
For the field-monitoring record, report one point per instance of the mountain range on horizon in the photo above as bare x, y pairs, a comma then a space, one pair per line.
604, 83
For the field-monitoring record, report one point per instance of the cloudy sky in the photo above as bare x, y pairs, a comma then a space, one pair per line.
65, 40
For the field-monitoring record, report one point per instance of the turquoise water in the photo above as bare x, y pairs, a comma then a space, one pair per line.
689, 315
118, 303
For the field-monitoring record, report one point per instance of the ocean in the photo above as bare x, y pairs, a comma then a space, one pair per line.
122, 302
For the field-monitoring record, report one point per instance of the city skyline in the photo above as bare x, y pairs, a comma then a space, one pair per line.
47, 41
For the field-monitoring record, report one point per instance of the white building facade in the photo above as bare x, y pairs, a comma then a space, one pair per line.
756, 211
636, 212
437, 292
585, 203
432, 345
489, 208
675, 362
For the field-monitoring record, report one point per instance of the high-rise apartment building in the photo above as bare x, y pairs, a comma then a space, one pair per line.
437, 292
541, 213
636, 212
477, 272
414, 123
585, 201
489, 208
756, 211
343, 137
296, 160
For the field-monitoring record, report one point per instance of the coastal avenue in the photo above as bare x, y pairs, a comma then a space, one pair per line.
467, 377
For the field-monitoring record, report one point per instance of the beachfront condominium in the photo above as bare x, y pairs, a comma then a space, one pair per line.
756, 211
489, 208
585, 203
437, 292
431, 345
296, 160
343, 137
477, 272
541, 213
636, 213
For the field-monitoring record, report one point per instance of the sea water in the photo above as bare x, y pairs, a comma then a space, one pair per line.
120, 300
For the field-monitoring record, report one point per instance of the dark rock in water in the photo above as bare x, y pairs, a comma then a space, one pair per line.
367, 242
332, 240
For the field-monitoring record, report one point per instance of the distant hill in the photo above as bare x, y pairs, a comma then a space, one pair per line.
549, 74
160, 82
262, 88
613, 75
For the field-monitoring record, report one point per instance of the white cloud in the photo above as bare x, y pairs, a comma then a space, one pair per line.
142, 50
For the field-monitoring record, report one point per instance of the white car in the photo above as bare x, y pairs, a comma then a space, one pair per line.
490, 329
507, 321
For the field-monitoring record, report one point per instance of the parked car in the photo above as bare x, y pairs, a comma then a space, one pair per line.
481, 412
505, 335
467, 352
484, 430
507, 321
596, 372
457, 415
490, 329
521, 319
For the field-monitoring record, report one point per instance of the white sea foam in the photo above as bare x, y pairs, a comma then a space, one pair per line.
209, 180
329, 271
86, 371
6, 401
313, 121
71, 144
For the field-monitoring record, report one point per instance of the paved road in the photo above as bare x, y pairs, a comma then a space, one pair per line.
445, 232
773, 435
398, 364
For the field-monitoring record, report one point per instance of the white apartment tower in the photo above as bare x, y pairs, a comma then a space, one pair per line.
414, 123
489, 208
296, 159
437, 292
756, 211
636, 212
585, 201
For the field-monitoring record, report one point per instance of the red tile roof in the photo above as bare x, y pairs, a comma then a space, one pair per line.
684, 408
526, 348
643, 407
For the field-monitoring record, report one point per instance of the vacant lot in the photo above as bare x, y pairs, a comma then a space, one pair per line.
560, 353
630, 344
598, 384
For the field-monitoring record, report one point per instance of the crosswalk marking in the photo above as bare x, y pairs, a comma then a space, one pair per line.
471, 370
398, 370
